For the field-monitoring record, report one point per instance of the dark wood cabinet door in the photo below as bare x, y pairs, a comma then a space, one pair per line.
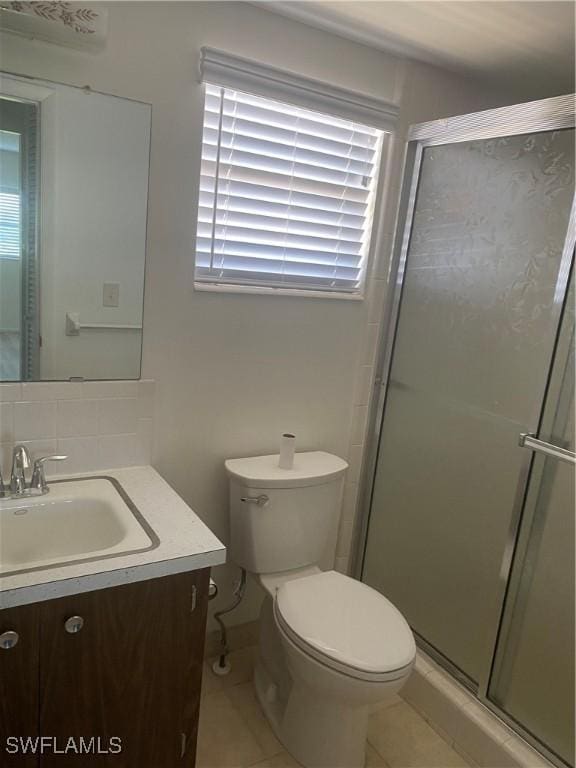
19, 686
132, 672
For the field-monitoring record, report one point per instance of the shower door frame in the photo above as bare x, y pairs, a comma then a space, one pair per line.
551, 114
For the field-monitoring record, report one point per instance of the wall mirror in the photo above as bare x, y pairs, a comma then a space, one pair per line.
73, 198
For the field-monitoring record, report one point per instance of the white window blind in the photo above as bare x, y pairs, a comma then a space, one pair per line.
286, 195
9, 225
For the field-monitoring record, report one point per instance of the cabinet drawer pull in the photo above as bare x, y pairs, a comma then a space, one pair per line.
9, 639
74, 624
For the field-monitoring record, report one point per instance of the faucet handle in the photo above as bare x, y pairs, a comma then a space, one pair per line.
38, 481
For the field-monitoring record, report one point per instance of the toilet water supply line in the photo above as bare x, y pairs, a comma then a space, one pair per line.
222, 666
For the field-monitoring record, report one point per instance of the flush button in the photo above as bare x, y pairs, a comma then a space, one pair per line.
9, 640
74, 624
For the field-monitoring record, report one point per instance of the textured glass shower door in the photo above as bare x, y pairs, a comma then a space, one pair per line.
533, 676
483, 284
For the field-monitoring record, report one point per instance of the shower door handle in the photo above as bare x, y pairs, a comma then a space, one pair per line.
532, 442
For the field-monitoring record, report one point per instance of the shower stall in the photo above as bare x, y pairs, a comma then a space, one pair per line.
469, 520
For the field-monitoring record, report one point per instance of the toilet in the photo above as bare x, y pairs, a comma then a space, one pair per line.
330, 647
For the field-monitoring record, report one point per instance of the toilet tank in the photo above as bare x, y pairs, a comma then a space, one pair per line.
281, 519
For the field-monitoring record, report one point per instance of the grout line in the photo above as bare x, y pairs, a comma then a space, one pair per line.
380, 755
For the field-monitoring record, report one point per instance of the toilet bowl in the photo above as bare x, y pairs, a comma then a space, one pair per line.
330, 646
346, 648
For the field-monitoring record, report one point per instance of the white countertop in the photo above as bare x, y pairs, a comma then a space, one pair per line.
186, 544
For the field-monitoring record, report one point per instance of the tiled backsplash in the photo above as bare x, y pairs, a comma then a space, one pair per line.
97, 424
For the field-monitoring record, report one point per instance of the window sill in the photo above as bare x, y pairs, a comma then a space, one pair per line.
263, 291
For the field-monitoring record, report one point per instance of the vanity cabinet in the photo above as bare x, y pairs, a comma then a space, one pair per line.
122, 665
19, 669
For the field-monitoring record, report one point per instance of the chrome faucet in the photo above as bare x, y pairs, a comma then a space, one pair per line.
20, 463
38, 481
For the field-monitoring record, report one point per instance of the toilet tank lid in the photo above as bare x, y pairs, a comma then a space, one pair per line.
310, 468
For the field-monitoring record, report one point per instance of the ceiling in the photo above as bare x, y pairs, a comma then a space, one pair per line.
523, 38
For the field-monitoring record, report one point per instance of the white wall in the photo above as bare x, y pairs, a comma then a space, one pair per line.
233, 371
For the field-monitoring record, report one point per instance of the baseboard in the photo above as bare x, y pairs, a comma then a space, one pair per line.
239, 636
472, 729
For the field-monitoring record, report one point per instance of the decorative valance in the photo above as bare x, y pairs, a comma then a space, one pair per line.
231, 71
77, 25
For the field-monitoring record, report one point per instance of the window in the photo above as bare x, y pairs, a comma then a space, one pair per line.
286, 196
9, 225
10, 163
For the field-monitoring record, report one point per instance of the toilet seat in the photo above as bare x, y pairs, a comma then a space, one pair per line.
345, 625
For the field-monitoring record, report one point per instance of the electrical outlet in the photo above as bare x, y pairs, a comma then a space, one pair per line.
111, 295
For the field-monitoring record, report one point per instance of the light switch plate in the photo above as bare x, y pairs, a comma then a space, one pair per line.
111, 295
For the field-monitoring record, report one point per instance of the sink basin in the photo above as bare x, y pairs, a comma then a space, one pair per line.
78, 520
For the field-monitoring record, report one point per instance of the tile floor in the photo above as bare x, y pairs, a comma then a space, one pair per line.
234, 732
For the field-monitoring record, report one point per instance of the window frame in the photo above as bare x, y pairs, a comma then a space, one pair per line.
233, 73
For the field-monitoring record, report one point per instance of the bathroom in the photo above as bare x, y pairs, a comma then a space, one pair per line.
152, 373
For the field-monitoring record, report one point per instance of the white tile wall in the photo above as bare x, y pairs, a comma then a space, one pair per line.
376, 295
118, 416
370, 344
6, 422
97, 424
51, 390
35, 420
77, 417
359, 421
355, 455
364, 376
363, 391
10, 392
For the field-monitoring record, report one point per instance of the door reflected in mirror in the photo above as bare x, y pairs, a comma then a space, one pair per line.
73, 201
